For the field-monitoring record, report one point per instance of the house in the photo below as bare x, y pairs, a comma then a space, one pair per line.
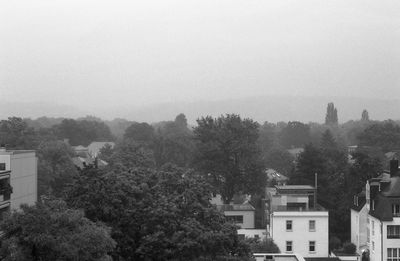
87, 156
18, 179
95, 147
297, 223
381, 210
241, 214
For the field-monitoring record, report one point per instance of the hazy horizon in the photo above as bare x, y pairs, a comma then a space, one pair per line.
104, 56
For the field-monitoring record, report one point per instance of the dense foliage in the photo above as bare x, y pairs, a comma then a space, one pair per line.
49, 231
157, 215
228, 154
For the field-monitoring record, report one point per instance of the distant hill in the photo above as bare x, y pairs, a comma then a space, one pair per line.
272, 109
267, 108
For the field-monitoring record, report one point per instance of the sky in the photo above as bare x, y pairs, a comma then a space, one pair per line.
90, 54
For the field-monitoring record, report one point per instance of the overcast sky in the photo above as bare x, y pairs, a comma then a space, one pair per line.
90, 53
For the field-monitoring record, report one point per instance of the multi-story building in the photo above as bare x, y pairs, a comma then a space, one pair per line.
18, 179
297, 223
375, 219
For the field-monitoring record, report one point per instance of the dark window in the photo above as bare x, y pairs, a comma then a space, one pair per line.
311, 225
236, 219
393, 231
393, 254
311, 246
289, 246
289, 225
2, 166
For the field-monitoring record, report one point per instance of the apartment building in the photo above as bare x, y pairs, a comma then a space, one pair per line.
297, 224
375, 219
18, 179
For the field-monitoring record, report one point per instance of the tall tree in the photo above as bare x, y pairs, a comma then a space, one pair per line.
174, 143
331, 114
50, 231
228, 153
157, 215
364, 116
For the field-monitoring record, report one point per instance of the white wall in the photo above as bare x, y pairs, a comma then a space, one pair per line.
359, 228
392, 242
248, 218
300, 234
251, 233
23, 179
375, 239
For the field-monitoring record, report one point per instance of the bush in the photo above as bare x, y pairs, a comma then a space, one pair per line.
349, 248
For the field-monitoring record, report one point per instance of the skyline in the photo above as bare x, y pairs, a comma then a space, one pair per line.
90, 54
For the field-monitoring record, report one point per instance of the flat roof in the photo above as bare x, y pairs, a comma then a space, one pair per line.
297, 187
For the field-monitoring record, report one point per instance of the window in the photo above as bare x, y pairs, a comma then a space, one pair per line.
289, 226
311, 246
393, 231
236, 219
373, 246
311, 225
368, 234
396, 210
289, 246
373, 227
393, 254
2, 166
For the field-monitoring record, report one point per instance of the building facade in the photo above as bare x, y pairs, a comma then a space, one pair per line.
375, 218
297, 224
18, 179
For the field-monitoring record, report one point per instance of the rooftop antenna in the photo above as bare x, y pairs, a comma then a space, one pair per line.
316, 190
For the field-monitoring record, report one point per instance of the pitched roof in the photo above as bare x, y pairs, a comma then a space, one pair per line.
95, 147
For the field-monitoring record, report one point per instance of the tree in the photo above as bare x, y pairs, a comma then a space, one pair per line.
328, 141
331, 117
82, 132
55, 167
280, 160
174, 143
157, 215
267, 245
141, 133
385, 135
228, 153
50, 231
295, 134
364, 116
129, 154
15, 134
267, 137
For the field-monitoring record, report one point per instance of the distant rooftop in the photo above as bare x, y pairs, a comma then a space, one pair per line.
236, 207
295, 187
16, 151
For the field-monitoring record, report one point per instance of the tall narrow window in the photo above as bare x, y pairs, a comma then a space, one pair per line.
289, 225
393, 254
289, 246
396, 210
373, 227
311, 225
311, 246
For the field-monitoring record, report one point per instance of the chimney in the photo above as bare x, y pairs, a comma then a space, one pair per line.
394, 167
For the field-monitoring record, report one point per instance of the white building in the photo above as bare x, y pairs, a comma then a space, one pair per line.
381, 210
18, 179
297, 224
241, 214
